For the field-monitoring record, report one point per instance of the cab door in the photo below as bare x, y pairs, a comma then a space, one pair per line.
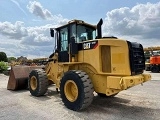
63, 55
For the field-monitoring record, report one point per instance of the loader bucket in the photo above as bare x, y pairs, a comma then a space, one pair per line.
18, 78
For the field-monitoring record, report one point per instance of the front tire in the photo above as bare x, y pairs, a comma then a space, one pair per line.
38, 82
76, 90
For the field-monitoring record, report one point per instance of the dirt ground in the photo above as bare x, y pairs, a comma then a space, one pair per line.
137, 103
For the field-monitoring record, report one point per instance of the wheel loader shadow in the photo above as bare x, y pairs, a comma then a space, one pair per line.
112, 102
109, 102
52, 93
47, 96
117, 106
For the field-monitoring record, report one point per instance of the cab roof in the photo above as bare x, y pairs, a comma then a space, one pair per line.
78, 22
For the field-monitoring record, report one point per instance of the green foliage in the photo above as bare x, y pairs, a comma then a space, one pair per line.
10, 59
147, 55
3, 67
3, 57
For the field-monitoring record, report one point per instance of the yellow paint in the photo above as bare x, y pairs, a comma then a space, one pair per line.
118, 58
105, 80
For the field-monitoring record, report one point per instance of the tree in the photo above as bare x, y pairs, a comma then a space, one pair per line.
3, 57
11, 59
22, 60
147, 54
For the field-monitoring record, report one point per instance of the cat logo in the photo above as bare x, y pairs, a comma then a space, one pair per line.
86, 45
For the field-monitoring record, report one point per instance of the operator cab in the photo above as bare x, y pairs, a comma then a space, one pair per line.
75, 29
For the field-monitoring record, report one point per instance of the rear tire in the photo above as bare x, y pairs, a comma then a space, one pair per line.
76, 90
38, 82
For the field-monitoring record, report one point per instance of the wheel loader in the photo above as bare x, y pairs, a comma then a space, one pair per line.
84, 62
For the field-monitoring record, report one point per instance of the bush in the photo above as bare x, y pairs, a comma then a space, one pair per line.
3, 67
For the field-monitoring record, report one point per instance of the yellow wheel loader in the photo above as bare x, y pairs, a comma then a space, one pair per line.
84, 62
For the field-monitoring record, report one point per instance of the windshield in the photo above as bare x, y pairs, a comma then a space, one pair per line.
79, 32
85, 33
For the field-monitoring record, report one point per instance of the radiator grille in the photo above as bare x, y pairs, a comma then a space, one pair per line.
137, 60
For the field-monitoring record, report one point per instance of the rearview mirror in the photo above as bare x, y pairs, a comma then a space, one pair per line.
52, 32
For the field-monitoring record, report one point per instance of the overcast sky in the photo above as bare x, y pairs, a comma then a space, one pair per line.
24, 24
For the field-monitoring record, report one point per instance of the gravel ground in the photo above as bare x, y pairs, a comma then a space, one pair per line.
137, 103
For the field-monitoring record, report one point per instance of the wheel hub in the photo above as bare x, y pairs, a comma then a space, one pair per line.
71, 90
33, 82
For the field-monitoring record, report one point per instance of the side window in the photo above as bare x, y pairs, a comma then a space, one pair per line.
73, 31
64, 39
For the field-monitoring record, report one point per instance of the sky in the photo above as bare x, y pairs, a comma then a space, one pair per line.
25, 24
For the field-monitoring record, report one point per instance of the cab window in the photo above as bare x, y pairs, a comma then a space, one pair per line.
85, 33
64, 39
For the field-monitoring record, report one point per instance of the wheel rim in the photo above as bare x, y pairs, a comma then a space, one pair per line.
33, 82
71, 90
